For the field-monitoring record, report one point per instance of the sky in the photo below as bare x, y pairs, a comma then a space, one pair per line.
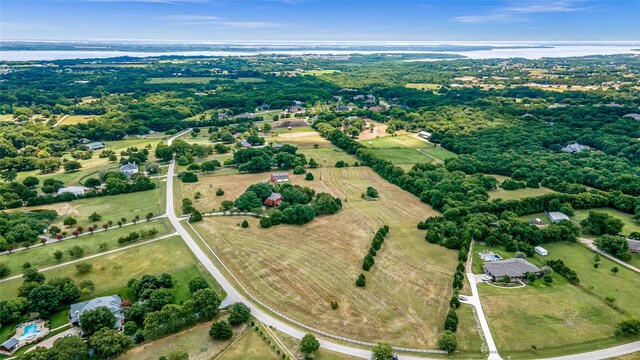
320, 20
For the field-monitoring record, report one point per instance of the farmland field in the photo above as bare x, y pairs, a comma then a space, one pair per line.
249, 347
112, 270
326, 154
180, 80
299, 270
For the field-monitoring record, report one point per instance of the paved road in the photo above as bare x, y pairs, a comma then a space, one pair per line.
474, 300
94, 256
593, 247
48, 343
603, 354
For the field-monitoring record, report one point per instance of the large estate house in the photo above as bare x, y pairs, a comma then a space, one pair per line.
129, 169
113, 303
514, 268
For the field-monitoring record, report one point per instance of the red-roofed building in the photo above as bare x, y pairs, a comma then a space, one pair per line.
273, 200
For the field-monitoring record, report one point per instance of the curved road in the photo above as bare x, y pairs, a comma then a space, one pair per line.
233, 295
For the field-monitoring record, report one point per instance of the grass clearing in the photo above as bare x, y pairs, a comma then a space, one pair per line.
501, 193
42, 256
299, 270
423, 86
77, 119
249, 80
402, 155
326, 154
321, 72
113, 270
398, 141
293, 345
469, 340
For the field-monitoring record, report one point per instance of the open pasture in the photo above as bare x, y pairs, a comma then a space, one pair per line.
77, 119
299, 270
180, 80
112, 271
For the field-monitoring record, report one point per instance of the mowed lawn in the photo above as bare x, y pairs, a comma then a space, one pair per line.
179, 80
402, 155
541, 314
42, 256
109, 207
469, 340
406, 149
112, 271
299, 270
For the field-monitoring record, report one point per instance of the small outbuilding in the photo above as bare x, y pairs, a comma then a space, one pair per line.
424, 134
279, 177
634, 246
129, 169
75, 190
540, 250
557, 216
245, 143
95, 145
9, 346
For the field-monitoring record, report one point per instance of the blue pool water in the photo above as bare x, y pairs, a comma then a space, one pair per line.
30, 330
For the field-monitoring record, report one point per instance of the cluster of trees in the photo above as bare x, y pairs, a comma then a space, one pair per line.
254, 160
184, 152
562, 269
617, 246
223, 329
20, 228
134, 236
376, 243
598, 223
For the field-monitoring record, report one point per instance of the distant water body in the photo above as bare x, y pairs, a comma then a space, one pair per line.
497, 53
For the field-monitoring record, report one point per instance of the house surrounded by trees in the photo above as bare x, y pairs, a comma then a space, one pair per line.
113, 303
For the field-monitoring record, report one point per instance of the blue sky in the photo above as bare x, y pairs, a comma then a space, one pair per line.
227, 20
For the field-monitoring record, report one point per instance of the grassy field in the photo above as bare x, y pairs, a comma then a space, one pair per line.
299, 270
501, 193
321, 72
109, 207
42, 256
423, 86
113, 270
249, 347
249, 80
77, 119
293, 345
180, 80
406, 149
402, 155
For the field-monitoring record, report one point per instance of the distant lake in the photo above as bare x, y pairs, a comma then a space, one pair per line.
527, 53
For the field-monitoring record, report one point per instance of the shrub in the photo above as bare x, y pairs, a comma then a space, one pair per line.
84, 268
188, 177
309, 176
451, 321
340, 164
628, 327
299, 170
197, 283
361, 282
219, 192
76, 252
245, 224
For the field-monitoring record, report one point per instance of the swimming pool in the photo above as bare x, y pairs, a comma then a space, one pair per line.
30, 331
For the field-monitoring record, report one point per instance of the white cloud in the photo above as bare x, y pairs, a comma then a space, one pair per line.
514, 13
543, 7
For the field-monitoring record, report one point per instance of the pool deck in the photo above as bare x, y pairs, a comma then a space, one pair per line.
25, 338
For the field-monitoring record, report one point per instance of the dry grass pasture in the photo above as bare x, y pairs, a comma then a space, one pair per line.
299, 270
77, 119
326, 154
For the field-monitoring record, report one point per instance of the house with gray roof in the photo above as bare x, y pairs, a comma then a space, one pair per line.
245, 143
515, 268
95, 145
129, 169
9, 346
574, 148
557, 216
113, 303
634, 246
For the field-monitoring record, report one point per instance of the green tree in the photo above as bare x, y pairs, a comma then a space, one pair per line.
598, 223
70, 347
159, 298
617, 246
95, 217
206, 303
382, 351
84, 268
361, 281
71, 165
69, 221
221, 330
30, 181
93, 320
615, 270
45, 299
247, 201
197, 283
109, 343
240, 313
309, 344
308, 176
245, 224
448, 342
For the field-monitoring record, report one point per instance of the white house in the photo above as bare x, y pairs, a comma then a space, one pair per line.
424, 134
129, 169
542, 251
